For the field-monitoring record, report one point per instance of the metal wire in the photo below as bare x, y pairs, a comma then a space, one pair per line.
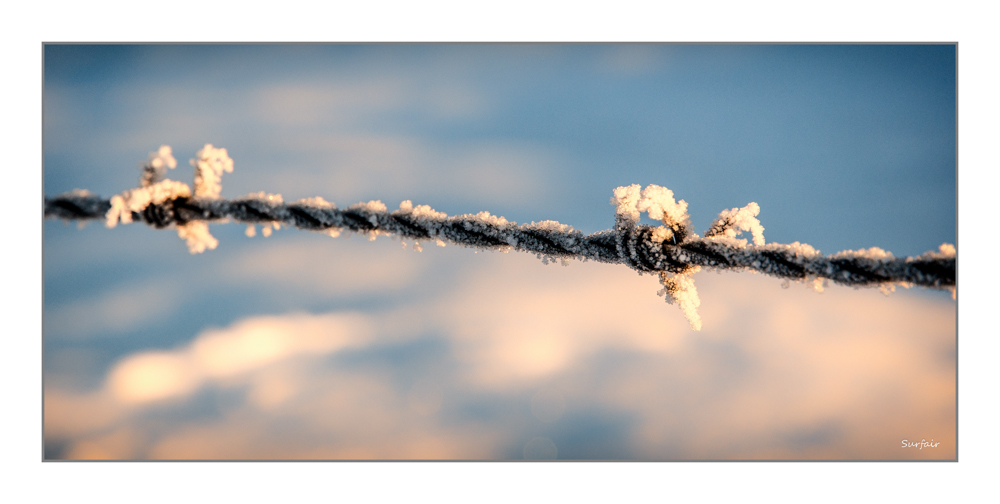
627, 243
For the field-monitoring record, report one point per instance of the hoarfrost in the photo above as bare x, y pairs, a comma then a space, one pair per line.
487, 218
423, 213
737, 220
662, 234
890, 287
372, 206
275, 199
658, 202
317, 202
873, 253
818, 284
551, 226
795, 248
156, 166
625, 200
209, 166
136, 200
198, 238
729, 241
680, 288
945, 251
672, 250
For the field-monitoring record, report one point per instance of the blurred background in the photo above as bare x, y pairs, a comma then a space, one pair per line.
301, 346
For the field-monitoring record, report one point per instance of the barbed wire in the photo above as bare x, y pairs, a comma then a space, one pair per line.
627, 244
673, 251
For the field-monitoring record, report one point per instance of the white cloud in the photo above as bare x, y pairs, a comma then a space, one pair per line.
514, 325
530, 352
220, 355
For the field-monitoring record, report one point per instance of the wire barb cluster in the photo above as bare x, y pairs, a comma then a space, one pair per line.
672, 251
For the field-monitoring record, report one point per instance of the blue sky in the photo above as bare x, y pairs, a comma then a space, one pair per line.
843, 147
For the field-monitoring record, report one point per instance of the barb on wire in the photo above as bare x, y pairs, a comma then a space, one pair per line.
672, 251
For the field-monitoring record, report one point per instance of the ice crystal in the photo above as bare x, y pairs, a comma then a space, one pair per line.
209, 166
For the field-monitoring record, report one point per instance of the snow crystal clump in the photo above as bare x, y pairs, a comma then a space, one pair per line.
156, 166
275, 199
873, 253
551, 226
818, 284
890, 287
421, 212
317, 202
729, 241
625, 200
661, 234
737, 220
372, 206
487, 218
680, 288
265, 227
945, 251
658, 202
209, 165
795, 248
196, 234
136, 200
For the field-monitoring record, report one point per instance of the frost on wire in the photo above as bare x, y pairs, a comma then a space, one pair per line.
672, 251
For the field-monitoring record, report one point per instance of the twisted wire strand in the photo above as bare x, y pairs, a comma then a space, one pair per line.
627, 243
